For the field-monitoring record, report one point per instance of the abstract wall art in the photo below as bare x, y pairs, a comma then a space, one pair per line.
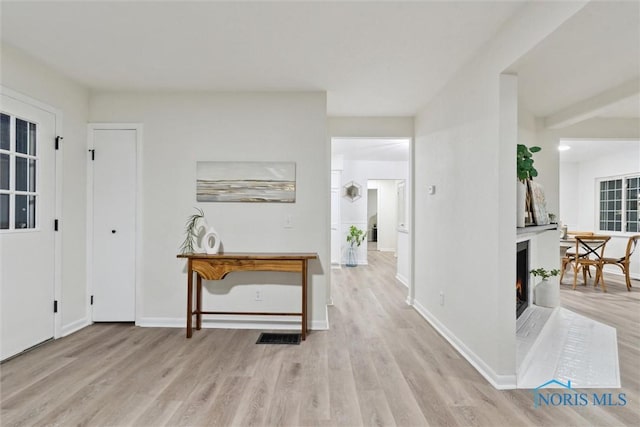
273, 182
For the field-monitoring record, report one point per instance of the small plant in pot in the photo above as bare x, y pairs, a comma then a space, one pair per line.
354, 238
547, 294
545, 274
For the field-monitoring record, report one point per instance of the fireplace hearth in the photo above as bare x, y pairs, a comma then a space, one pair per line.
522, 277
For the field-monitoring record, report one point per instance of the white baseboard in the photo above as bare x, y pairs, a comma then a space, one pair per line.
386, 249
500, 382
321, 325
75, 326
400, 278
611, 269
244, 322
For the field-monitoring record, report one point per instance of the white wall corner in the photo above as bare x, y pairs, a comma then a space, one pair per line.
75, 326
400, 278
500, 382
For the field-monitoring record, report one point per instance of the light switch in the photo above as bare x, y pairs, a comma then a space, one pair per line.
431, 189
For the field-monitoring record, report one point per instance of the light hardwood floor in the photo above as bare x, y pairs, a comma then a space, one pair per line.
380, 364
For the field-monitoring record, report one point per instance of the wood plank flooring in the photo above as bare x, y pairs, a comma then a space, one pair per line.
381, 364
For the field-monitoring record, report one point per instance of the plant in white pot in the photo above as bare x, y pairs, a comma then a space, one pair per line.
354, 238
525, 171
546, 293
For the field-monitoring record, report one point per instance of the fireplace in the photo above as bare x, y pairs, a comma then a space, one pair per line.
522, 277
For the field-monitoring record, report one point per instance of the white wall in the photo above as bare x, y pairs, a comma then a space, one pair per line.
36, 80
355, 213
182, 128
465, 233
548, 160
569, 196
371, 127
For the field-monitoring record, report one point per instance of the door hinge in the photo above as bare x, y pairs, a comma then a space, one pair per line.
91, 299
58, 141
93, 154
55, 306
55, 225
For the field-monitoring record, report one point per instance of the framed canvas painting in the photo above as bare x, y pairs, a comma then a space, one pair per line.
538, 204
273, 182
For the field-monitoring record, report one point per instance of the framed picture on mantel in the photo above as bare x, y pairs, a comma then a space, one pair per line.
538, 203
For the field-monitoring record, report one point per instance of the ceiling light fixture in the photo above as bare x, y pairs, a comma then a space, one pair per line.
563, 147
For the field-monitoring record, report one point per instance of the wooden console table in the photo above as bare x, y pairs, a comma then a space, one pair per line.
216, 267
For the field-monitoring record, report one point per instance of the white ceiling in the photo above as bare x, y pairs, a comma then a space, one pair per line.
595, 50
584, 150
372, 58
394, 150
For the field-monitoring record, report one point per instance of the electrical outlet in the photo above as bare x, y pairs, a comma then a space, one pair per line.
258, 296
288, 221
441, 297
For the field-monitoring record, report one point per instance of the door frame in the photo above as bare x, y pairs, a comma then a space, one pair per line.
138, 127
411, 182
57, 236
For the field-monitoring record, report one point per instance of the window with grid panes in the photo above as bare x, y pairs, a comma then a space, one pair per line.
618, 204
18, 163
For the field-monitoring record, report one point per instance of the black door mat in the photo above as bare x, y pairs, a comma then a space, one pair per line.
273, 338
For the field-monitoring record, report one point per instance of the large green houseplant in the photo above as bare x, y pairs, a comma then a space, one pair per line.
525, 171
524, 159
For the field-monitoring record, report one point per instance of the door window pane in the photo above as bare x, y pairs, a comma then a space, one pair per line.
25, 174
25, 212
32, 139
22, 136
4, 172
18, 173
4, 211
4, 131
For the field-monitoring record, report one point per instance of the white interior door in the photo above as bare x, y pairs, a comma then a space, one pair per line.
27, 236
114, 225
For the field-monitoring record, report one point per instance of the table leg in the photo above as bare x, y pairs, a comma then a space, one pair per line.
199, 302
189, 299
304, 299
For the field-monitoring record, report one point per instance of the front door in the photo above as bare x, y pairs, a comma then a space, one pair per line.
27, 236
114, 224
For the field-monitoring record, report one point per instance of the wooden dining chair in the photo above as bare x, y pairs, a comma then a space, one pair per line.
625, 261
570, 253
590, 250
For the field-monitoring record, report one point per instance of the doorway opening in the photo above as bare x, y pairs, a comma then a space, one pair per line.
380, 168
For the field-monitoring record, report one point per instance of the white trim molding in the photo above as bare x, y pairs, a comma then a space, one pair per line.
234, 322
75, 326
500, 382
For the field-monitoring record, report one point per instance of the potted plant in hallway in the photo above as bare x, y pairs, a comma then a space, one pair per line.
525, 171
546, 293
354, 238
